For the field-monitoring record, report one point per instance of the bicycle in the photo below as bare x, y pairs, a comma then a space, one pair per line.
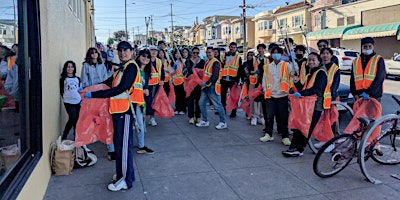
345, 113
338, 152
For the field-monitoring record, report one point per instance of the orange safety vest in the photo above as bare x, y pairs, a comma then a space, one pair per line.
303, 75
120, 103
230, 69
155, 74
364, 79
178, 78
208, 73
327, 93
10, 62
310, 83
285, 79
253, 78
166, 70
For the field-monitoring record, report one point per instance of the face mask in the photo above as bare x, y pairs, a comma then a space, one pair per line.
276, 56
367, 52
299, 56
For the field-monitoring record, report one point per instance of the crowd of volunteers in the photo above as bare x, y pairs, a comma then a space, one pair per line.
262, 86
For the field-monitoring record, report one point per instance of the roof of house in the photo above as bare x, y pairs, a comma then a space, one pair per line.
292, 6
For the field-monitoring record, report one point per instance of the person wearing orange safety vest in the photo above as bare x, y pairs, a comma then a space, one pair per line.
314, 84
276, 84
333, 72
166, 64
368, 72
126, 91
177, 79
211, 89
156, 80
299, 50
232, 62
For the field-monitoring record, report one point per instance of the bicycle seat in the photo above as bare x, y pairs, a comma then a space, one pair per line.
365, 121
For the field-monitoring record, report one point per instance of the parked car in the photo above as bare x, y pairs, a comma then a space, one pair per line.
393, 66
345, 57
240, 49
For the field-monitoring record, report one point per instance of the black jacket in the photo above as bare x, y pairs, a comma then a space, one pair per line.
336, 81
215, 73
317, 89
190, 65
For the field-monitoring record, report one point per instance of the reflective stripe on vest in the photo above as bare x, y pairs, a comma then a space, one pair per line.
155, 75
328, 93
10, 62
284, 77
310, 82
303, 75
166, 71
364, 78
208, 73
120, 102
231, 68
254, 77
178, 78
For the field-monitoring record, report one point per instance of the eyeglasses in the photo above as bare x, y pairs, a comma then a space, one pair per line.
145, 55
195, 52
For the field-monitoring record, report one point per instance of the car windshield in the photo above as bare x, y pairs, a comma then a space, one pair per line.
398, 58
350, 53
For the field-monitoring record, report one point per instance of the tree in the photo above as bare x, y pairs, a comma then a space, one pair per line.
120, 36
110, 41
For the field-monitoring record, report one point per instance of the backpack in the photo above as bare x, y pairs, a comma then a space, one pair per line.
84, 158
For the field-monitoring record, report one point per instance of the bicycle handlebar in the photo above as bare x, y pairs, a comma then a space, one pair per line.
396, 99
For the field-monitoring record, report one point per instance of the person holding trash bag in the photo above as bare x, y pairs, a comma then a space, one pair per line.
126, 93
315, 84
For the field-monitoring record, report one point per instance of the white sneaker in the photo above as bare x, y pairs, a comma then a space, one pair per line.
152, 122
203, 124
176, 112
117, 186
221, 125
253, 121
261, 121
319, 145
181, 113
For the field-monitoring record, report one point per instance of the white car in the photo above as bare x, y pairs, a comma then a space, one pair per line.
345, 57
393, 66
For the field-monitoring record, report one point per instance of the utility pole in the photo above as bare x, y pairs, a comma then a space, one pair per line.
138, 32
172, 25
126, 24
244, 6
133, 35
152, 30
15, 24
147, 21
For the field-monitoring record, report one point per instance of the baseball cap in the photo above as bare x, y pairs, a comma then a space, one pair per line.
152, 47
124, 45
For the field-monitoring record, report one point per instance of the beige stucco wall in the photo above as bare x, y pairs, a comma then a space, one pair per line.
293, 32
62, 38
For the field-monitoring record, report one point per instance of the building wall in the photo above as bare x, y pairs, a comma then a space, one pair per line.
386, 15
294, 31
385, 46
57, 47
250, 31
226, 36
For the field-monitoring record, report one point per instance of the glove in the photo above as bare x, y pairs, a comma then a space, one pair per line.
3, 76
185, 71
204, 84
297, 95
257, 71
365, 96
88, 95
80, 89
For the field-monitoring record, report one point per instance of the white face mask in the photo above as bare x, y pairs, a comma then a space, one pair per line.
367, 52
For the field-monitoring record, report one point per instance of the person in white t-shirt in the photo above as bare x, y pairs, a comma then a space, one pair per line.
69, 86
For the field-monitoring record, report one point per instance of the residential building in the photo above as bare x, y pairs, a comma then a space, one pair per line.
226, 30
238, 32
140, 39
43, 50
201, 34
7, 29
265, 28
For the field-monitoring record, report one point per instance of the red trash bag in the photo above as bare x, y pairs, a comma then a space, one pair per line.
254, 93
301, 113
232, 98
161, 105
95, 122
370, 108
171, 95
323, 130
245, 105
192, 81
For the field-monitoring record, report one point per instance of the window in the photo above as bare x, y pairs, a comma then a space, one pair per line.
270, 24
317, 20
4, 32
297, 20
237, 30
259, 26
265, 25
350, 20
20, 118
229, 30
76, 6
340, 21
283, 23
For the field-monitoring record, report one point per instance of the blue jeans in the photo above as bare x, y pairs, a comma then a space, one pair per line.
123, 141
139, 118
216, 101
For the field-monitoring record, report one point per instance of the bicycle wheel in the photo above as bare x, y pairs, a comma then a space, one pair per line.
384, 149
345, 115
335, 155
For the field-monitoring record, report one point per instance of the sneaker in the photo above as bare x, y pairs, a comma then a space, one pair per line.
266, 138
221, 125
181, 113
111, 155
117, 186
253, 121
203, 124
191, 120
145, 150
319, 145
286, 141
292, 153
261, 121
176, 112
198, 120
152, 122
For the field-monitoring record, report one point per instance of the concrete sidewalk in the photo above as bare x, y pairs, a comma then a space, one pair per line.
204, 163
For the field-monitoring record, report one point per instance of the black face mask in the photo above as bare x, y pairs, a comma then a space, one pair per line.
299, 56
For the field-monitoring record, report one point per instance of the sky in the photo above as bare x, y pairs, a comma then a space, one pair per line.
7, 9
110, 15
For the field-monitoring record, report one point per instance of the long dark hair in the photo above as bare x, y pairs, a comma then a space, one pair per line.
147, 68
64, 73
88, 58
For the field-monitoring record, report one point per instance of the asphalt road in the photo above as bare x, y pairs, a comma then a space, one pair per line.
391, 87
